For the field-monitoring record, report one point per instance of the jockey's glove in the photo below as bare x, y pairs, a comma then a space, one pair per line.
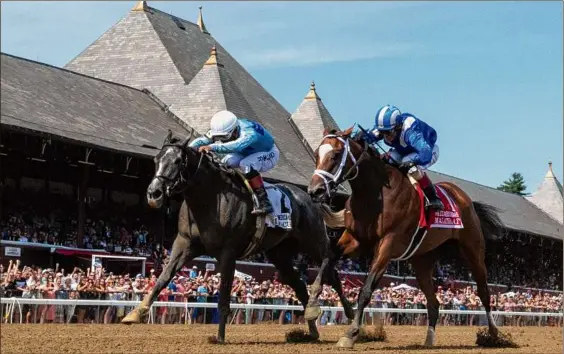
407, 165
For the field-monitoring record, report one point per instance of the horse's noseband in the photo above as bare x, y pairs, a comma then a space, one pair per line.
333, 181
172, 184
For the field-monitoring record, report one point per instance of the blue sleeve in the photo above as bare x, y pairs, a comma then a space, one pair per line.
416, 140
201, 141
247, 137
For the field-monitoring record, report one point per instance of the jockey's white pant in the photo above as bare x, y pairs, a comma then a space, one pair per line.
259, 161
416, 171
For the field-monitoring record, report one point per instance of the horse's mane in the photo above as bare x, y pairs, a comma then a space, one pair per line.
211, 158
377, 163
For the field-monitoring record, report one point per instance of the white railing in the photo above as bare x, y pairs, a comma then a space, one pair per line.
13, 302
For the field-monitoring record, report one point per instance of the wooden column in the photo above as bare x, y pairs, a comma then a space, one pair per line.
82, 188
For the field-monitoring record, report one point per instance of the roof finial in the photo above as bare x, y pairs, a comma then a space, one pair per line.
140, 6
212, 60
201, 22
312, 94
550, 173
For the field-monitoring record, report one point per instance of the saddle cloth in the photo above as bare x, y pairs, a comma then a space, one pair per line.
281, 217
448, 218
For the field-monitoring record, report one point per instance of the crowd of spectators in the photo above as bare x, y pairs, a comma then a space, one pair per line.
53, 221
513, 260
202, 286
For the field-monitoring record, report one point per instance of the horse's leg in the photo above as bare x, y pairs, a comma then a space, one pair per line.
313, 310
377, 269
227, 269
181, 253
423, 267
289, 276
473, 250
336, 284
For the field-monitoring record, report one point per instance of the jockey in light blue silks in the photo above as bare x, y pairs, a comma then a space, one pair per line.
413, 146
243, 144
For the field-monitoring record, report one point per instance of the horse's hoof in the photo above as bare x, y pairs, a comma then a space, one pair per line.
312, 312
430, 340
429, 343
132, 317
345, 342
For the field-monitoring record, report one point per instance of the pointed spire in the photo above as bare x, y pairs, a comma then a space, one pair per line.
312, 94
201, 22
140, 6
212, 60
550, 173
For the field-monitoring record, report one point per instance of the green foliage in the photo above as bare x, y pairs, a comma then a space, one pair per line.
515, 184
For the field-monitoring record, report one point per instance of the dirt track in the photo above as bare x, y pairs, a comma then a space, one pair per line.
254, 339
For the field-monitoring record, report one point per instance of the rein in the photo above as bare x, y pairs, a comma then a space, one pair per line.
338, 178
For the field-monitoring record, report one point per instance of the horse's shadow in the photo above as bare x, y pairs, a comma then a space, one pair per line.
410, 347
447, 348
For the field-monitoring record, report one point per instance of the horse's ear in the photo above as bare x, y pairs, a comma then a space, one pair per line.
326, 131
348, 132
168, 137
188, 138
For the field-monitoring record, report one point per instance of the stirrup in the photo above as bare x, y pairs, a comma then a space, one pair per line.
263, 209
435, 205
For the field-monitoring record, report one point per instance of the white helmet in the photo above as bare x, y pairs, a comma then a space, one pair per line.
223, 123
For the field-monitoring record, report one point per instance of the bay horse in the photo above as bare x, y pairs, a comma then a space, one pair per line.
215, 219
383, 212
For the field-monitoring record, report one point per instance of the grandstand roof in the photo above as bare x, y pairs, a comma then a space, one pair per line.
44, 98
312, 118
166, 54
515, 211
548, 197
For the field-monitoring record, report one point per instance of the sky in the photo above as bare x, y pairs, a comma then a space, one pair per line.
487, 76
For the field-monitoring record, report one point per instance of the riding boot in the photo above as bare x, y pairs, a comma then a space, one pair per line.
257, 184
434, 201
431, 193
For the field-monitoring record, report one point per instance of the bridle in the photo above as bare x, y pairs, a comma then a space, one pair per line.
183, 166
333, 181
171, 183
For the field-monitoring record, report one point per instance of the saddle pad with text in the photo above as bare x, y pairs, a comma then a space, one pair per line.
282, 215
448, 218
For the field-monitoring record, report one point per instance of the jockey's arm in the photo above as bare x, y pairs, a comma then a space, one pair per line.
201, 141
246, 139
424, 151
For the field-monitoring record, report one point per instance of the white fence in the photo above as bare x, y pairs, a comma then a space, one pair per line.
11, 304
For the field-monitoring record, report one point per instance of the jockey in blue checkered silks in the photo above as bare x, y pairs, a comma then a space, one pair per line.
243, 144
413, 146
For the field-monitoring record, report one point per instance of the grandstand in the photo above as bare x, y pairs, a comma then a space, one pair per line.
86, 134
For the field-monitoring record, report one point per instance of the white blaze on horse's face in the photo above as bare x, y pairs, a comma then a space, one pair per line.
323, 150
161, 167
156, 189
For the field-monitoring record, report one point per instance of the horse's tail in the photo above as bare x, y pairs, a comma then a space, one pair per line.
333, 219
491, 224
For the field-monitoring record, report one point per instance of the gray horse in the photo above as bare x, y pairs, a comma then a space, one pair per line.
215, 219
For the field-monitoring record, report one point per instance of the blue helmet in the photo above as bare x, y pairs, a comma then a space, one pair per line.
386, 117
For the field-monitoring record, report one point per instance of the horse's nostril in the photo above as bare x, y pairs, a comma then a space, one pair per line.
157, 194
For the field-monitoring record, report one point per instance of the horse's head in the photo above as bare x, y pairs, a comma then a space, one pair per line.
170, 164
336, 161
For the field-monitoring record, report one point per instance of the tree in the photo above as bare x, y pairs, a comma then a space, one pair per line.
515, 184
